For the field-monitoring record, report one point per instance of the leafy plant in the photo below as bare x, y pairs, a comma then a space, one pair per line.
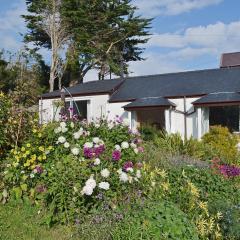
219, 142
156, 220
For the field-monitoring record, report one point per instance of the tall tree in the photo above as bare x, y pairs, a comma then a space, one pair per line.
106, 34
48, 29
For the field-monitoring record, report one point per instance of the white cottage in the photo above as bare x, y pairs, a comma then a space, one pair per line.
185, 102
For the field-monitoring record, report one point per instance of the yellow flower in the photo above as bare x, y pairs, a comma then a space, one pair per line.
165, 186
203, 206
41, 149
15, 152
44, 157
24, 155
34, 130
50, 147
27, 152
1, 94
27, 164
34, 157
28, 145
39, 135
23, 149
193, 189
40, 158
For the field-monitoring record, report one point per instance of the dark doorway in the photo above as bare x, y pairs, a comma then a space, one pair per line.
225, 116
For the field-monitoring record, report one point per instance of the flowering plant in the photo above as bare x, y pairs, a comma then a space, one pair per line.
82, 165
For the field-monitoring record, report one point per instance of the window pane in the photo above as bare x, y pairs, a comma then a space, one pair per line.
80, 108
225, 116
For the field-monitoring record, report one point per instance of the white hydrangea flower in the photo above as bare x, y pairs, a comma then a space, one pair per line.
62, 139
64, 129
105, 173
76, 135
117, 147
138, 174
125, 145
133, 145
96, 140
129, 169
97, 161
87, 190
119, 171
32, 175
104, 185
75, 151
123, 177
57, 130
66, 145
88, 145
91, 182
63, 124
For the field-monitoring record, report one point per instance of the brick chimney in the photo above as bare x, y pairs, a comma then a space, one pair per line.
229, 60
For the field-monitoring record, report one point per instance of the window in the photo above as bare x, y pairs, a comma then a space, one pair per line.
79, 108
225, 116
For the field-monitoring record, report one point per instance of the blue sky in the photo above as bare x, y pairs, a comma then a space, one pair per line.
186, 34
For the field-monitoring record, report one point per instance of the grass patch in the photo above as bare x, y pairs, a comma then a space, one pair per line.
22, 222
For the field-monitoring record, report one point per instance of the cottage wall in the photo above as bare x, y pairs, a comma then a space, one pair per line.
99, 106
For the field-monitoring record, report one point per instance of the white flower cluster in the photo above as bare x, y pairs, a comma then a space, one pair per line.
124, 177
125, 145
62, 128
134, 147
89, 187
105, 173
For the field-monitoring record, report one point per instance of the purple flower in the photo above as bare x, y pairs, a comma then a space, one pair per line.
127, 165
116, 155
38, 169
229, 171
41, 189
88, 153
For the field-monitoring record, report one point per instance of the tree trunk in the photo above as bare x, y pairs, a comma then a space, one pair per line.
51, 80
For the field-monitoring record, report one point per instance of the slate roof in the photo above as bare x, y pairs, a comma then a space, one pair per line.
88, 88
192, 83
223, 97
149, 102
189, 84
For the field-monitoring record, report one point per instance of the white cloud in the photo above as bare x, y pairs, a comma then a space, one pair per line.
171, 7
219, 37
200, 44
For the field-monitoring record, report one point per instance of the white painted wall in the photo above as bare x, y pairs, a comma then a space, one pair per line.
97, 107
177, 119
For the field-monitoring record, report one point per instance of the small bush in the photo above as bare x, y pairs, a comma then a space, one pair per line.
156, 221
219, 142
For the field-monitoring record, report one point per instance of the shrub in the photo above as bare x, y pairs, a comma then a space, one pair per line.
74, 167
219, 142
149, 132
156, 221
16, 123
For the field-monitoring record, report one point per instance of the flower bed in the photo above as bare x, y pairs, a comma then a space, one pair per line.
76, 166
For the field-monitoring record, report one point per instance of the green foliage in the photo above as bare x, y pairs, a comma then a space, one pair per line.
107, 39
156, 221
219, 142
70, 170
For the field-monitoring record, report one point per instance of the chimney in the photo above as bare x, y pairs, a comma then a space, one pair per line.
229, 60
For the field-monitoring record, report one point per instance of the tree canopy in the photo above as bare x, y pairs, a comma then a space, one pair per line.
105, 34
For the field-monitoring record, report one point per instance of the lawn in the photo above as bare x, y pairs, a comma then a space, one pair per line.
22, 222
